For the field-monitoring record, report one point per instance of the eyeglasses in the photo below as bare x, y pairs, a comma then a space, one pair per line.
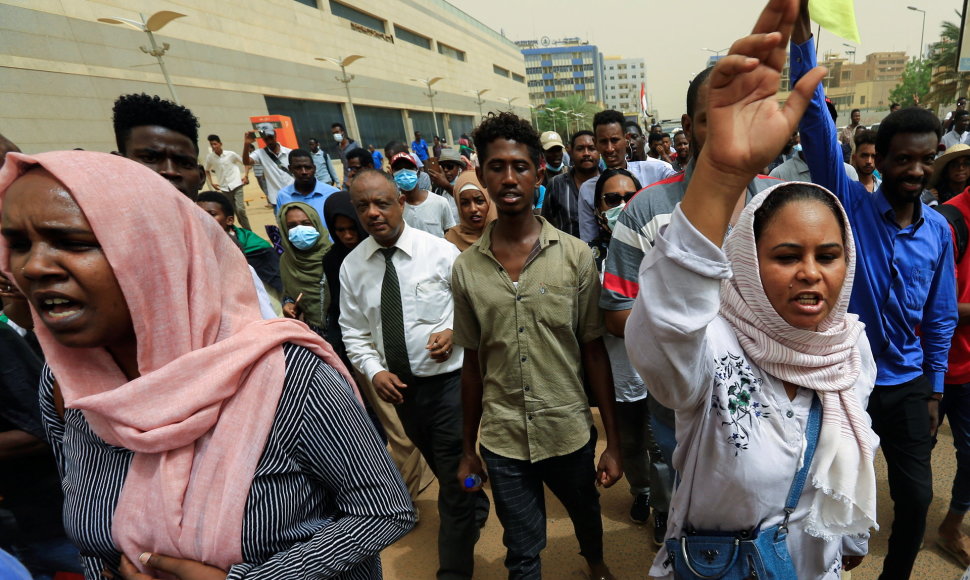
615, 199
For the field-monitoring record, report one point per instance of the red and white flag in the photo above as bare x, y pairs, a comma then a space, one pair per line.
643, 97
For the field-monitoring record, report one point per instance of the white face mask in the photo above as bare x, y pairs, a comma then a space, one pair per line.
338, 137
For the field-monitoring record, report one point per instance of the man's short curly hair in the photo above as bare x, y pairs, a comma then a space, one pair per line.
139, 110
506, 125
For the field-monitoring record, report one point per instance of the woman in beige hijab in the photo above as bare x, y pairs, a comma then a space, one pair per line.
475, 211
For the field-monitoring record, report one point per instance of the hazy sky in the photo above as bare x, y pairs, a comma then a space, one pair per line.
671, 34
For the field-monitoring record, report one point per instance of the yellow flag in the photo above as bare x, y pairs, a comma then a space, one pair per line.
836, 16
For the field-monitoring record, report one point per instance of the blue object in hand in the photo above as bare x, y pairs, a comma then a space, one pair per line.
473, 481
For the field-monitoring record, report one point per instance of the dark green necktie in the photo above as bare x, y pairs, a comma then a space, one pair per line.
392, 320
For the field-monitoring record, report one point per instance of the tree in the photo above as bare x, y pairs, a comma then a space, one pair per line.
946, 84
561, 120
913, 85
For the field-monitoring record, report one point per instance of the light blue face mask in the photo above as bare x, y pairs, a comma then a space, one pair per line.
612, 215
303, 237
406, 179
555, 168
797, 147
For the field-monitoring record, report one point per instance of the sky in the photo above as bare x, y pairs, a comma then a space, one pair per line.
671, 35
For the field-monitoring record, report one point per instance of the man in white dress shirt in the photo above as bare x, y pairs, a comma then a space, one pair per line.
396, 311
959, 133
611, 142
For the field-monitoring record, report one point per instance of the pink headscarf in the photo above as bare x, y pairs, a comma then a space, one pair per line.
211, 369
828, 361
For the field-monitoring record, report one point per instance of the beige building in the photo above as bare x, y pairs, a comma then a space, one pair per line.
61, 69
864, 86
622, 80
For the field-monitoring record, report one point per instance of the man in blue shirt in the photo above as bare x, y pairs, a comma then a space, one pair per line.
904, 292
305, 187
420, 147
377, 157
325, 172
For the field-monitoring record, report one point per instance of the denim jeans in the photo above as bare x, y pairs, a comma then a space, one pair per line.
517, 487
662, 473
956, 407
44, 558
633, 421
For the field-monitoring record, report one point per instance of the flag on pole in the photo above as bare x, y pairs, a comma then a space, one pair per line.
643, 98
836, 16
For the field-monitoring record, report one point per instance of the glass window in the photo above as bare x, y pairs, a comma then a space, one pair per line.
500, 71
354, 15
452, 52
412, 37
518, 78
310, 3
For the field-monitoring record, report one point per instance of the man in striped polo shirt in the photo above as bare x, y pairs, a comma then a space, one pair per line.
633, 235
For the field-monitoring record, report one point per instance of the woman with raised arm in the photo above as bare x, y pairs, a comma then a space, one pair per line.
747, 338
194, 439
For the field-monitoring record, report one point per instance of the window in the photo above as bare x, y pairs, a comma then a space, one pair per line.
452, 52
354, 15
412, 37
518, 78
500, 71
310, 3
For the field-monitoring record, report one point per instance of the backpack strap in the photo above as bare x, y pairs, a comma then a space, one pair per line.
956, 220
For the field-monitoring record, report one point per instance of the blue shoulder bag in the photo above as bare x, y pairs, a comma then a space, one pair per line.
750, 554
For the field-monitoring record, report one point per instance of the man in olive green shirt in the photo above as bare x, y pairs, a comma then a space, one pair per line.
526, 312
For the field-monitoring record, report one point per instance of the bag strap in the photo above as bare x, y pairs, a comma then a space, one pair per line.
956, 220
275, 159
812, 431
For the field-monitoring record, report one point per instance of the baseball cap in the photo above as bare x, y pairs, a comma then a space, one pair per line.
550, 139
404, 155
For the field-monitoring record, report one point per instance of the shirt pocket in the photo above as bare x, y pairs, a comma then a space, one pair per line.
431, 298
917, 288
556, 305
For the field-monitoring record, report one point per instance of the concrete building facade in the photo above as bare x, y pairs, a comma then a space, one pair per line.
61, 69
566, 69
622, 79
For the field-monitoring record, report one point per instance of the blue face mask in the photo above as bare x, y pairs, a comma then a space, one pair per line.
303, 237
797, 147
555, 168
406, 179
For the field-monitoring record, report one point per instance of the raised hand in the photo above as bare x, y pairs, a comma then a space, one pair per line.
746, 126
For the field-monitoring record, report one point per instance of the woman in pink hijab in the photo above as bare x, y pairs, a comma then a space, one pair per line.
195, 440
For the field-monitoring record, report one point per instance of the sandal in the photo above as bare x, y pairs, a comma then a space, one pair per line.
956, 549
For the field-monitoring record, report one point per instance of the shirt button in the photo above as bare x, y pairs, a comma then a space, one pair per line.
521, 329
530, 416
790, 414
518, 298
527, 387
523, 359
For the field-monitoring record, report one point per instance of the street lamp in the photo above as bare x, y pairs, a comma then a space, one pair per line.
509, 101
717, 52
153, 24
430, 94
343, 63
532, 114
850, 51
579, 119
922, 31
552, 111
479, 99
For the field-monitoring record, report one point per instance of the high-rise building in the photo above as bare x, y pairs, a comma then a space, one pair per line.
622, 81
562, 68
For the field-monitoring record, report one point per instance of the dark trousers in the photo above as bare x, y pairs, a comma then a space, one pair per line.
431, 416
956, 407
900, 417
517, 487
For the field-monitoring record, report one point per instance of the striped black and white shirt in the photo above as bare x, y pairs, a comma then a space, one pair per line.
325, 498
